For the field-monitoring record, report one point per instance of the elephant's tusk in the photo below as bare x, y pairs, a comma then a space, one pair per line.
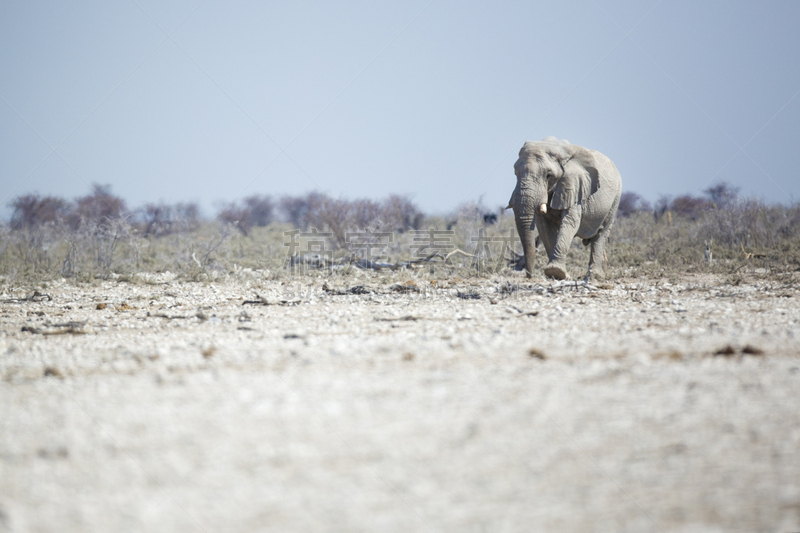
543, 209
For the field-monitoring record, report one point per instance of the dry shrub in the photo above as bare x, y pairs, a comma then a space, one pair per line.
92, 248
294, 209
253, 211
399, 213
631, 203
722, 195
51, 236
260, 210
101, 208
29, 251
29, 239
96, 237
690, 206
162, 219
333, 215
741, 230
364, 212
32, 210
488, 235
751, 224
339, 216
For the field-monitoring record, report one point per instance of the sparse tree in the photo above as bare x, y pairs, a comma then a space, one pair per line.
293, 209
189, 214
662, 206
400, 213
330, 213
162, 219
254, 211
296, 209
366, 213
32, 210
630, 203
690, 206
100, 208
236, 215
723, 195
260, 210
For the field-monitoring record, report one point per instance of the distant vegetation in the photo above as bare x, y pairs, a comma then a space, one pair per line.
716, 229
98, 235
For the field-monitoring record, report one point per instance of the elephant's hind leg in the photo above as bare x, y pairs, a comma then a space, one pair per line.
597, 257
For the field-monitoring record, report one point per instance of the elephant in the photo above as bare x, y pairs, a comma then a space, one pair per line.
566, 191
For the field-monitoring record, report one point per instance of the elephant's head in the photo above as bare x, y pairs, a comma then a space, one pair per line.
539, 168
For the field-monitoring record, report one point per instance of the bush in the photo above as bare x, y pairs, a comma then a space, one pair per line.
399, 213
37, 245
99, 209
294, 210
162, 219
365, 213
722, 195
260, 210
751, 223
690, 206
331, 214
395, 213
32, 210
254, 211
630, 203
473, 212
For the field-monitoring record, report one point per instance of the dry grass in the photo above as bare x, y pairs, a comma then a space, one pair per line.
746, 235
749, 234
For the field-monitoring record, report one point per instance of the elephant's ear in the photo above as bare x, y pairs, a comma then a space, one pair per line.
573, 188
512, 202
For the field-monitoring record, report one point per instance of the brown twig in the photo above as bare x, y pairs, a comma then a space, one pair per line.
35, 297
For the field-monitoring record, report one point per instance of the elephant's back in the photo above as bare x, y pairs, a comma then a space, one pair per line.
607, 172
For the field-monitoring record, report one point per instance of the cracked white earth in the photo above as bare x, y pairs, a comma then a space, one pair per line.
558, 407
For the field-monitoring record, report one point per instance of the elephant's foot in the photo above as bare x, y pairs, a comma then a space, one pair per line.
555, 270
594, 275
596, 272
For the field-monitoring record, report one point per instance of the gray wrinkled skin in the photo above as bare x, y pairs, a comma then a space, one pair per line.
564, 191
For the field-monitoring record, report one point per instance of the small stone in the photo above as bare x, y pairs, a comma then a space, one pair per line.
726, 351
752, 350
51, 371
537, 354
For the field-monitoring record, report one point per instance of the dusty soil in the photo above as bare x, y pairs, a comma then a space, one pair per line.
464, 405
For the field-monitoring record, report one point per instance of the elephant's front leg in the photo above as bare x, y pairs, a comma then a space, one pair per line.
570, 222
548, 231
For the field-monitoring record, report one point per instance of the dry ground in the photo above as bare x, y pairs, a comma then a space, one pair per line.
641, 405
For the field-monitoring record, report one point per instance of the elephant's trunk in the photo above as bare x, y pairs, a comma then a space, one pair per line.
529, 196
525, 230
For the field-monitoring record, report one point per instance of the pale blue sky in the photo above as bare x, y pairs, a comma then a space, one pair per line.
209, 101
